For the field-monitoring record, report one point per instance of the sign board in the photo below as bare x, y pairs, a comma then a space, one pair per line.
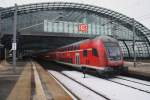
14, 46
83, 27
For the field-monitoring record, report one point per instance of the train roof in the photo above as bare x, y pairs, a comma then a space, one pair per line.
103, 38
76, 43
106, 39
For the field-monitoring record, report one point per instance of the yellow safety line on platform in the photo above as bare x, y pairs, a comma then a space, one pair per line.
73, 97
53, 88
40, 95
22, 88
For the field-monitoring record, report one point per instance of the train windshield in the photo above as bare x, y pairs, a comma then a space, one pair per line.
113, 51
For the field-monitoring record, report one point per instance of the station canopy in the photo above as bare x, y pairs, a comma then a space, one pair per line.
64, 17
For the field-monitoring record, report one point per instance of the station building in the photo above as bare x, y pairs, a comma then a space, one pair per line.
66, 18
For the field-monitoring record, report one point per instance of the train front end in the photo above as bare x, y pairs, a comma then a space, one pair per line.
114, 55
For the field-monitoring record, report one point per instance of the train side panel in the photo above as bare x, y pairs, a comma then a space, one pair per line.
90, 53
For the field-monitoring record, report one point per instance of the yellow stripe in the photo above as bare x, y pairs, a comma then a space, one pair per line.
75, 50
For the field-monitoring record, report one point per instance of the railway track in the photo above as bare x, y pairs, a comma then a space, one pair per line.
113, 84
133, 80
75, 97
131, 85
106, 97
82, 85
88, 87
108, 89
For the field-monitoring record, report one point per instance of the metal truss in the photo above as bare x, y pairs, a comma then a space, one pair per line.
23, 9
112, 15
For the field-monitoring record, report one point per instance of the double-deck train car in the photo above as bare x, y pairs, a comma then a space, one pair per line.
100, 53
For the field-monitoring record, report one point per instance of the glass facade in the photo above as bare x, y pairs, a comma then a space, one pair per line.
66, 18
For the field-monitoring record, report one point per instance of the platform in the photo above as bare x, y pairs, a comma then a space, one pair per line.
141, 68
8, 79
53, 90
30, 82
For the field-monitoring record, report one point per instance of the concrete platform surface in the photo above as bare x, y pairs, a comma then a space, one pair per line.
52, 88
141, 68
8, 78
29, 82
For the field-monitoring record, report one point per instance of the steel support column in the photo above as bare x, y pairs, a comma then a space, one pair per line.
127, 49
134, 42
147, 49
0, 27
14, 44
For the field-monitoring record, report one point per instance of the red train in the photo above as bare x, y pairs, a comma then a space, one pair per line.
101, 53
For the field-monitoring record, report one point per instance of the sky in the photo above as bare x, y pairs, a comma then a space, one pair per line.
138, 9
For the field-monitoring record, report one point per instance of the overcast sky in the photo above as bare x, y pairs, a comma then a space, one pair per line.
138, 9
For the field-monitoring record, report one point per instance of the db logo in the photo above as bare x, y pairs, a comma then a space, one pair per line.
83, 27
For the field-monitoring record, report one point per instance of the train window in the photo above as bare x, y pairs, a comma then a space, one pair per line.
85, 53
74, 47
68, 48
113, 51
94, 52
78, 47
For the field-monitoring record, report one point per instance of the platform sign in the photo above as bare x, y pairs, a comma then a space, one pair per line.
83, 27
14, 46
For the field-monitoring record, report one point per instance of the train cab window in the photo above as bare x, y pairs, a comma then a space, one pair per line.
85, 53
94, 52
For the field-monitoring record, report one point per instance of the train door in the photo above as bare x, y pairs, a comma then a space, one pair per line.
77, 58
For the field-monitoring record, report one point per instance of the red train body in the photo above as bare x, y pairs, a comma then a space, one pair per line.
101, 53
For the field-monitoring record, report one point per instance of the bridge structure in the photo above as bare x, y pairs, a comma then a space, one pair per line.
47, 26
